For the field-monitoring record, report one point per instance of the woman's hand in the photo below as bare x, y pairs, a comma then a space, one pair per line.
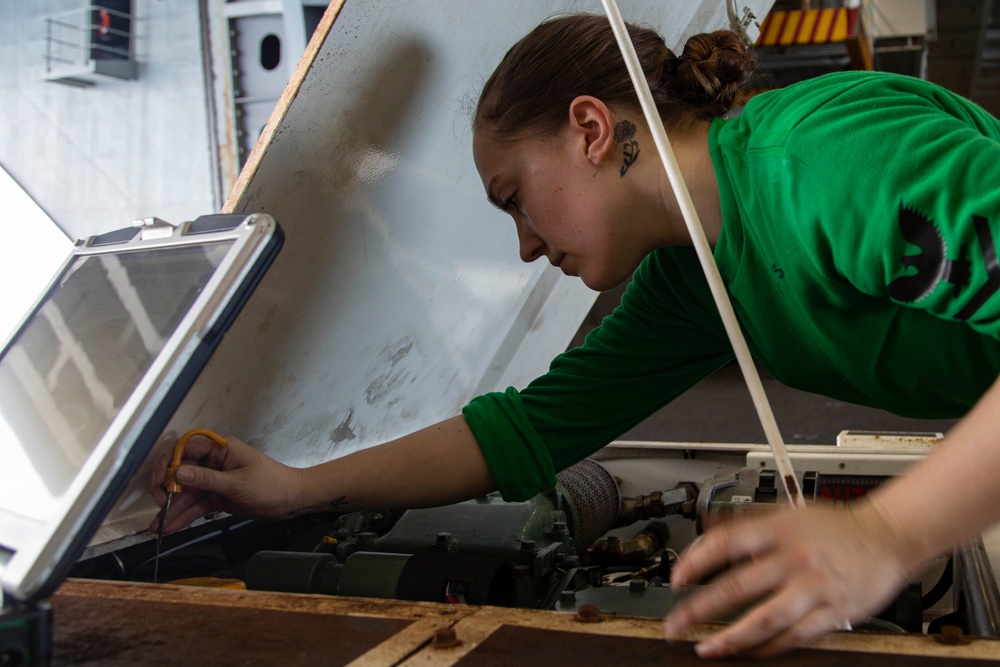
806, 571
237, 479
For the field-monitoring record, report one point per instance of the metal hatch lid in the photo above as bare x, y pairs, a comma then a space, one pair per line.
399, 294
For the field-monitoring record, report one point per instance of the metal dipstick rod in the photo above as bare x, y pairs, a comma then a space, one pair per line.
704, 251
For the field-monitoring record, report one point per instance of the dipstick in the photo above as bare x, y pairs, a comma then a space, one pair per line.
171, 486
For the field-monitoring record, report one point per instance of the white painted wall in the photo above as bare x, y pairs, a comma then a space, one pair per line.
97, 158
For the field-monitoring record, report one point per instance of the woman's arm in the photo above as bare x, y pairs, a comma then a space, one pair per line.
437, 465
810, 570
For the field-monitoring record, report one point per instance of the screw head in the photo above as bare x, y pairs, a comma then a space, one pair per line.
445, 638
952, 635
588, 613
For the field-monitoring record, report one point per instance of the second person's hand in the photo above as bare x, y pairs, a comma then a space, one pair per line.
805, 572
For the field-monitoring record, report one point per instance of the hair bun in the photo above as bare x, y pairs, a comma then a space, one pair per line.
712, 71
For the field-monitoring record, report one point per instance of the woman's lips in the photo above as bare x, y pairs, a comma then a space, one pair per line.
560, 263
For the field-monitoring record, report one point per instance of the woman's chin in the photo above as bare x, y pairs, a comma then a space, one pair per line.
601, 283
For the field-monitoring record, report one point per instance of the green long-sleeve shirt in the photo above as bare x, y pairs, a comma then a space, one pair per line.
860, 216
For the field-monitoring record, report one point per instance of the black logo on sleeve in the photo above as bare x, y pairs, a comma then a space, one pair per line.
992, 283
932, 267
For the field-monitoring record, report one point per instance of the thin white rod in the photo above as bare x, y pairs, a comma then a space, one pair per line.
704, 251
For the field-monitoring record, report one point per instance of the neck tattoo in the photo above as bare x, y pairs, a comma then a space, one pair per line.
625, 135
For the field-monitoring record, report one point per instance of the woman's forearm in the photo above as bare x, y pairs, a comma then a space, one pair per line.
953, 494
438, 465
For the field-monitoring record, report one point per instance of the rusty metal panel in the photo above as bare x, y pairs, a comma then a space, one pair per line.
133, 632
534, 646
114, 623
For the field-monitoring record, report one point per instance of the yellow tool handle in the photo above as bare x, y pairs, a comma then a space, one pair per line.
171, 485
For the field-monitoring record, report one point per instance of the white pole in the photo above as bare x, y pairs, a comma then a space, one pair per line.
704, 251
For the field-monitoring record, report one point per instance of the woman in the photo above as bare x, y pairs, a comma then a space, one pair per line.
852, 217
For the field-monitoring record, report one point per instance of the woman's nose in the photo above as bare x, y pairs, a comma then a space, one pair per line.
531, 246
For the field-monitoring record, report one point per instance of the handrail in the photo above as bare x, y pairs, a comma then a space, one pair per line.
71, 38
90, 8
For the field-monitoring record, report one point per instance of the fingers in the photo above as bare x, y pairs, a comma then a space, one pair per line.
199, 446
197, 449
184, 516
202, 459
784, 622
813, 626
207, 479
756, 627
740, 587
730, 542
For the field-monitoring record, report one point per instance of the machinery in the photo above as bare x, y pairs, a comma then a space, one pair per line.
582, 544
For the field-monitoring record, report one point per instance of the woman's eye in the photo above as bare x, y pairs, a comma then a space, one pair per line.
510, 204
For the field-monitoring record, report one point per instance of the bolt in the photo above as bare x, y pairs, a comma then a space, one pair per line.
952, 635
569, 561
588, 613
528, 546
637, 584
567, 596
365, 538
445, 638
442, 539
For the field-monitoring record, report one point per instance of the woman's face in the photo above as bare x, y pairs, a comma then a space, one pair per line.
565, 206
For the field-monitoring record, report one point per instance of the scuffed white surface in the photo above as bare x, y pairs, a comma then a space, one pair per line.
399, 294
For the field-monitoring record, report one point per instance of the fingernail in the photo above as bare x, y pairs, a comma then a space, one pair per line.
707, 649
184, 474
673, 629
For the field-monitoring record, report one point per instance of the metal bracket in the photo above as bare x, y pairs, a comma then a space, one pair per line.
738, 23
154, 228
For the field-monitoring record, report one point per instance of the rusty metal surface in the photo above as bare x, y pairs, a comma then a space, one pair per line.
115, 623
133, 632
534, 646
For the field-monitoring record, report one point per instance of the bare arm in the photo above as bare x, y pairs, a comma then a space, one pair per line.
808, 571
951, 496
437, 465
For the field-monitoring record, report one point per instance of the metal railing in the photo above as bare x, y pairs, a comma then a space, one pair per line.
92, 32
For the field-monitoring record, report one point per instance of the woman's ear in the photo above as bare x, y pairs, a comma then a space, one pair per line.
591, 124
